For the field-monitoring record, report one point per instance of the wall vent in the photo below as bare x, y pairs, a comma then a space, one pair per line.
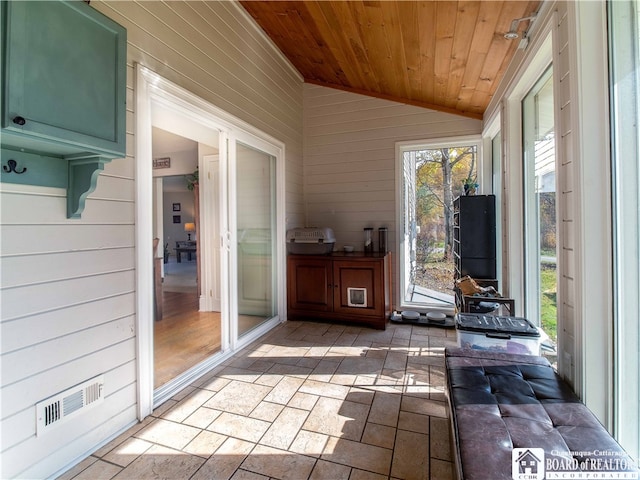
55, 410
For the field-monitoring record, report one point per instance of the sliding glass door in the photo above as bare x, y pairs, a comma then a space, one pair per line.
255, 206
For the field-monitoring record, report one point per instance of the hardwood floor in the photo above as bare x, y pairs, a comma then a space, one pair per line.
184, 337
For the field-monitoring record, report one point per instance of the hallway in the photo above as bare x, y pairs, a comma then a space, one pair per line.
306, 401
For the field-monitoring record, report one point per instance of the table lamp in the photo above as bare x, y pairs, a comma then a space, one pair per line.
189, 227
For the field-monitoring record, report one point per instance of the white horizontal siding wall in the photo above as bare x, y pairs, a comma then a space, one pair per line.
68, 286
349, 158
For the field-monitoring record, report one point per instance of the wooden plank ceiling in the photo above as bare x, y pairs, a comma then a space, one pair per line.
444, 55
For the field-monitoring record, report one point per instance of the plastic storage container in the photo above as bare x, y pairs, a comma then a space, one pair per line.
498, 334
310, 241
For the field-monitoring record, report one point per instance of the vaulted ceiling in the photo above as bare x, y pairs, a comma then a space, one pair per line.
444, 55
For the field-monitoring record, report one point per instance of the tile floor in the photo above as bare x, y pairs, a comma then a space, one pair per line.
306, 401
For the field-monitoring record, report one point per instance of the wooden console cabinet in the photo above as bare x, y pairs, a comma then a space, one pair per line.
353, 287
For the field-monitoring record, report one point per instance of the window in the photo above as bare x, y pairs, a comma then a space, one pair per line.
539, 176
625, 96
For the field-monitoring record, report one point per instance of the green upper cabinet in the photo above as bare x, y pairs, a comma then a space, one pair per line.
63, 95
64, 79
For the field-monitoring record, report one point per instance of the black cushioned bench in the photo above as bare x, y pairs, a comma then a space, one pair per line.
500, 402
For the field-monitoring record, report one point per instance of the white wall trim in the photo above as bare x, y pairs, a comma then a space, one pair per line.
144, 247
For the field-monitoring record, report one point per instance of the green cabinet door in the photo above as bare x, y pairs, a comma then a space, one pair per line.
64, 79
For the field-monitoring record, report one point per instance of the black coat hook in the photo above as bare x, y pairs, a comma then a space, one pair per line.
11, 167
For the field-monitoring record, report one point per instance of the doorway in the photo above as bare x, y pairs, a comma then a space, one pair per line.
183, 336
431, 176
240, 187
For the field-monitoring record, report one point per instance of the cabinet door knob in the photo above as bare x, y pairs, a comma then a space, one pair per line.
19, 120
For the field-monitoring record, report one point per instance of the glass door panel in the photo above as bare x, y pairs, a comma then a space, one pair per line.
540, 208
256, 234
431, 176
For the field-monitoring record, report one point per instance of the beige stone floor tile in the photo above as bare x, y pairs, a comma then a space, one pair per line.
440, 438
385, 409
323, 389
213, 383
338, 418
393, 377
423, 405
309, 443
419, 342
362, 381
344, 379
358, 455
238, 397
317, 351
360, 395
324, 370
269, 379
266, 411
363, 475
128, 451
188, 405
413, 422
162, 409
123, 437
310, 401
278, 464
184, 393
99, 470
441, 470
284, 391
240, 374
326, 470
290, 370
285, 428
161, 463
379, 435
367, 365
321, 338
303, 401
225, 462
287, 355
205, 444
169, 434
308, 362
340, 352
411, 456
346, 339
202, 417
395, 361
78, 469
247, 475
262, 365
247, 359
245, 428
